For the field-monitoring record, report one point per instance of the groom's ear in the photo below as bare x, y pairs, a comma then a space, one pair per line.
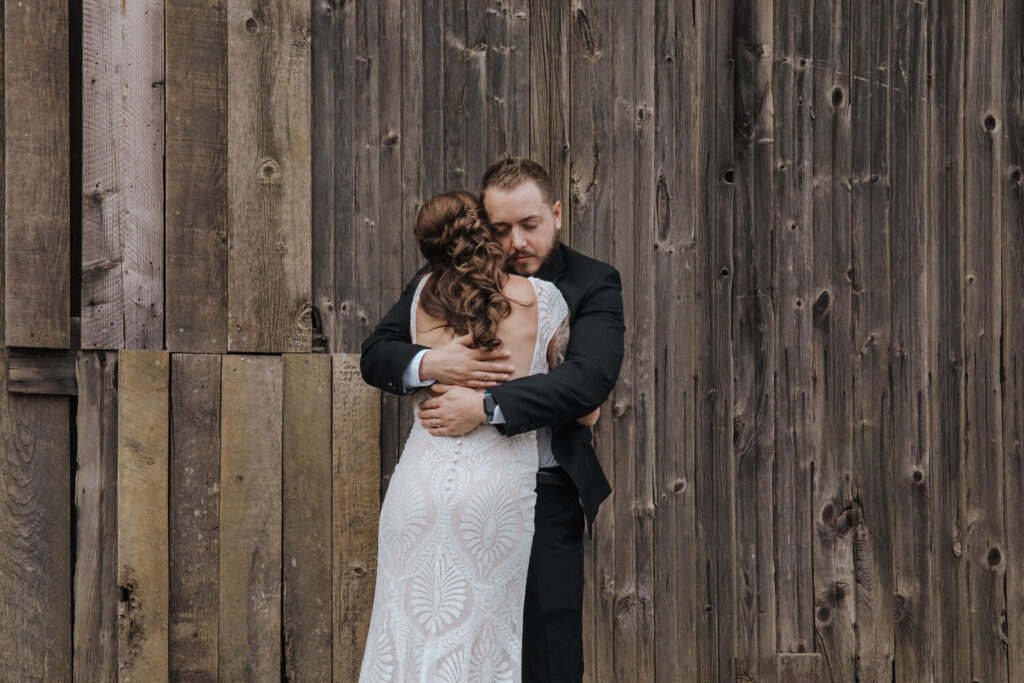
556, 211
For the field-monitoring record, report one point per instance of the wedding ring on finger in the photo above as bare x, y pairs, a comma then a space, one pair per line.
437, 423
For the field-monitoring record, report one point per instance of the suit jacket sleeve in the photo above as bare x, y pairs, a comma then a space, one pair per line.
389, 348
586, 376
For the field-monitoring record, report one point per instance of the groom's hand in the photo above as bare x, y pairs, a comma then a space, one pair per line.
456, 363
452, 410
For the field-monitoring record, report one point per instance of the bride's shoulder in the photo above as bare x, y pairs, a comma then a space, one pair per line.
520, 289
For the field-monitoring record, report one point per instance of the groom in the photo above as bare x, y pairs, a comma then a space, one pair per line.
470, 388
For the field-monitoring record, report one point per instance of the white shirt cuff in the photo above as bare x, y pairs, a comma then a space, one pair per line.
498, 418
411, 376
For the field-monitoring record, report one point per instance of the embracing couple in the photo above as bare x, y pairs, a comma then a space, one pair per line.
518, 340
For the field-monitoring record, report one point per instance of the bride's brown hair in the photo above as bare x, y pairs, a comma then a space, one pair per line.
466, 265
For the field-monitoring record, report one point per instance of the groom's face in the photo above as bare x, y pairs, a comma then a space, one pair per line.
524, 224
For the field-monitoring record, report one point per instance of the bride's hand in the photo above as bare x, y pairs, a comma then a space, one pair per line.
456, 363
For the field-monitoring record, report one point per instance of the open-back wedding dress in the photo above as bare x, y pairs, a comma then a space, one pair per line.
454, 541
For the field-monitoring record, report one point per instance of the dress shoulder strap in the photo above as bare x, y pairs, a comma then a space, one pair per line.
415, 305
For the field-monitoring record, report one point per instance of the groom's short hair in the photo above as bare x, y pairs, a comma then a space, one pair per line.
509, 172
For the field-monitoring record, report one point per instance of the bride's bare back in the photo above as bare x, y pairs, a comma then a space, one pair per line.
517, 332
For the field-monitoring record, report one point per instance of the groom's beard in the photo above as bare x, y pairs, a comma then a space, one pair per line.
537, 261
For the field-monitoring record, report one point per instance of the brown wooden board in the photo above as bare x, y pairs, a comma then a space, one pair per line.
269, 176
143, 399
791, 89
250, 517
194, 520
95, 562
196, 176
1012, 254
356, 509
36, 174
307, 601
833, 510
984, 543
35, 535
948, 613
753, 329
590, 196
905, 477
122, 175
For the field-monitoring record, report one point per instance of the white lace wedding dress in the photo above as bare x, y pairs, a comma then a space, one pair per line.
454, 541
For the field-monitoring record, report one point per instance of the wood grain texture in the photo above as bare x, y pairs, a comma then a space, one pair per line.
791, 88
356, 510
196, 211
36, 174
95, 569
905, 475
1012, 254
715, 464
194, 501
754, 333
35, 534
269, 176
142, 515
307, 603
835, 514
948, 613
250, 517
984, 545
590, 40
122, 175
677, 40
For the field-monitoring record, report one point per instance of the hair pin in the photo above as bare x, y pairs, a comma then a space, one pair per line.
471, 213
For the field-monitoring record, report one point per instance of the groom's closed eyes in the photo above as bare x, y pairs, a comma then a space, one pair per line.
530, 222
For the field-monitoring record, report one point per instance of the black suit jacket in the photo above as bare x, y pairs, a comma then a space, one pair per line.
580, 384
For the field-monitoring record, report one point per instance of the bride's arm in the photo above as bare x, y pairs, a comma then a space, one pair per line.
557, 348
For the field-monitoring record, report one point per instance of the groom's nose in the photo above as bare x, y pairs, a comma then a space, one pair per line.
518, 239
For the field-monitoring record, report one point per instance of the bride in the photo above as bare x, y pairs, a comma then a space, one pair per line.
456, 525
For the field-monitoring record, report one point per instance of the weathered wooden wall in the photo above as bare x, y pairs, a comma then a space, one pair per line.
817, 207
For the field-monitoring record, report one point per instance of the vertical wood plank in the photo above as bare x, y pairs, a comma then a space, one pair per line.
435, 81
36, 174
194, 516
476, 107
950, 654
122, 175
453, 90
591, 38
800, 668
196, 176
35, 534
142, 479
1013, 325
497, 23
754, 342
715, 466
95, 568
307, 603
910, 364
331, 165
518, 75
250, 518
549, 96
678, 40
621, 251
269, 255
833, 508
983, 187
356, 510
793, 362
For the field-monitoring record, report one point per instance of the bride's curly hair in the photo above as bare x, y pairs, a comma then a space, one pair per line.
466, 265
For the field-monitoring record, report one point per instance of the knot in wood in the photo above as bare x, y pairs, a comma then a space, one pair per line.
270, 171
251, 25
